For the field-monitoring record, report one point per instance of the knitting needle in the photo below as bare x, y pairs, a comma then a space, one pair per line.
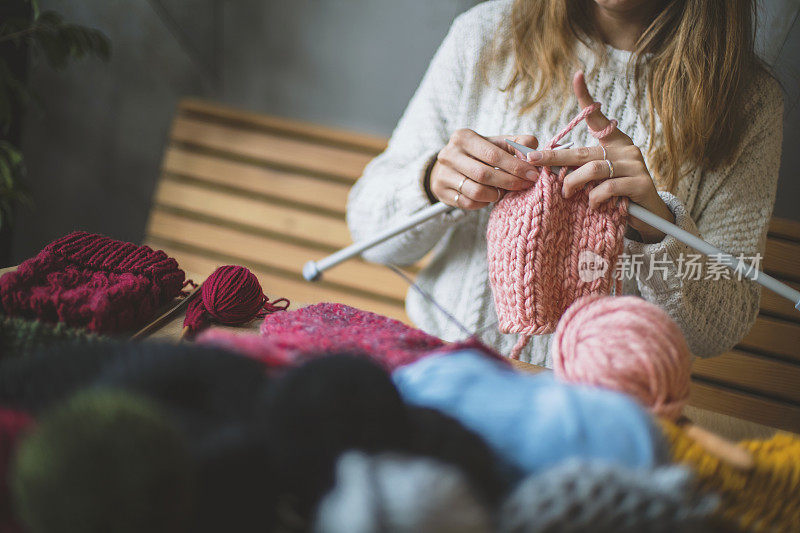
704, 247
312, 270
160, 321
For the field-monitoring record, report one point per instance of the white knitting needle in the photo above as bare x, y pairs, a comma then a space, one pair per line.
312, 270
704, 247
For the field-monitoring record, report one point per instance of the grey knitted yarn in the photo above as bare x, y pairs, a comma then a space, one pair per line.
603, 498
399, 494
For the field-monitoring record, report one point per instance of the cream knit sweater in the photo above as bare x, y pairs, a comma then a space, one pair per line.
730, 208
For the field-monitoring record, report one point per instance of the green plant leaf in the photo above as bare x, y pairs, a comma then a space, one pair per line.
59, 42
35, 7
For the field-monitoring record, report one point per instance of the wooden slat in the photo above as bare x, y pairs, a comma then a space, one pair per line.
785, 228
356, 274
287, 126
782, 259
297, 188
300, 293
759, 374
774, 336
287, 221
774, 304
746, 406
271, 148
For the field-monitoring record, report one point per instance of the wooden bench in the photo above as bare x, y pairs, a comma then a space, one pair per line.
270, 193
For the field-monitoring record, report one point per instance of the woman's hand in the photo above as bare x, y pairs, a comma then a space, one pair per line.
473, 171
630, 175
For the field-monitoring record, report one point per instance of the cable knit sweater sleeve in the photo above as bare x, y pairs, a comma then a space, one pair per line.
391, 187
732, 212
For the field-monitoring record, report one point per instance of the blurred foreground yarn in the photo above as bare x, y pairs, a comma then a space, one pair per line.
532, 421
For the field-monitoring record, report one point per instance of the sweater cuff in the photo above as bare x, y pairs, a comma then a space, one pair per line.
658, 264
411, 196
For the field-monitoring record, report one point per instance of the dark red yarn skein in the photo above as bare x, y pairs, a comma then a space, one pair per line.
231, 296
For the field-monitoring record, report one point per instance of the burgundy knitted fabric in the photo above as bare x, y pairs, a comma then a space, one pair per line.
332, 327
275, 352
327, 328
93, 282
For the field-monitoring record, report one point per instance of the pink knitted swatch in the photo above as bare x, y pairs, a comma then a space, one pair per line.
290, 337
93, 282
626, 344
545, 251
332, 327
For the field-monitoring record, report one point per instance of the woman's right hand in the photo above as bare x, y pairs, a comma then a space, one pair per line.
473, 171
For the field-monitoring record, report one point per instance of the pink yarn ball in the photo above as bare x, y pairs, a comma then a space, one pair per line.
626, 344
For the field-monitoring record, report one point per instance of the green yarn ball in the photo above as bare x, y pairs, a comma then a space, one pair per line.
103, 461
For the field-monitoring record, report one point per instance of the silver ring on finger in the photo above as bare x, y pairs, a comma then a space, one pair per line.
455, 200
461, 185
499, 194
610, 168
605, 155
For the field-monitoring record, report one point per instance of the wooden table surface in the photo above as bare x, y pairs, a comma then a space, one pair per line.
727, 426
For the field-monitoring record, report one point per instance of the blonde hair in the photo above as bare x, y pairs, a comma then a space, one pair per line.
696, 58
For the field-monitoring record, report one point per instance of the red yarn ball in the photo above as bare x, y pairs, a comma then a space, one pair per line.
231, 296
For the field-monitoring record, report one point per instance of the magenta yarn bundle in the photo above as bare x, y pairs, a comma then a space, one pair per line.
546, 251
332, 327
626, 344
328, 328
93, 282
230, 296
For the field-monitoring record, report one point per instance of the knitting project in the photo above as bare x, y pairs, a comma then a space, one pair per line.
764, 498
546, 251
93, 282
577, 496
331, 328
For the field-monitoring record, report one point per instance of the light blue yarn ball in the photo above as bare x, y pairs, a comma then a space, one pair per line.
533, 421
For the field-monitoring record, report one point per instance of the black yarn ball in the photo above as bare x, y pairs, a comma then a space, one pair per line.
236, 487
442, 437
209, 381
322, 408
103, 461
36, 381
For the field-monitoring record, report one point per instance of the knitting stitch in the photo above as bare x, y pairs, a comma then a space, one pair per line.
765, 498
537, 241
93, 282
331, 327
578, 496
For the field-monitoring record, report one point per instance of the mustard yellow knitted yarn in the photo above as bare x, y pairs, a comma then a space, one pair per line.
765, 498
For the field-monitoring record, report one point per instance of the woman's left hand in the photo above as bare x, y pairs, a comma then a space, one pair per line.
630, 175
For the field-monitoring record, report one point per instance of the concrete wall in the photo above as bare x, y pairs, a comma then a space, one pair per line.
94, 152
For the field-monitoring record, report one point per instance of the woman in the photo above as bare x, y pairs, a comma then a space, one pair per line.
698, 143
